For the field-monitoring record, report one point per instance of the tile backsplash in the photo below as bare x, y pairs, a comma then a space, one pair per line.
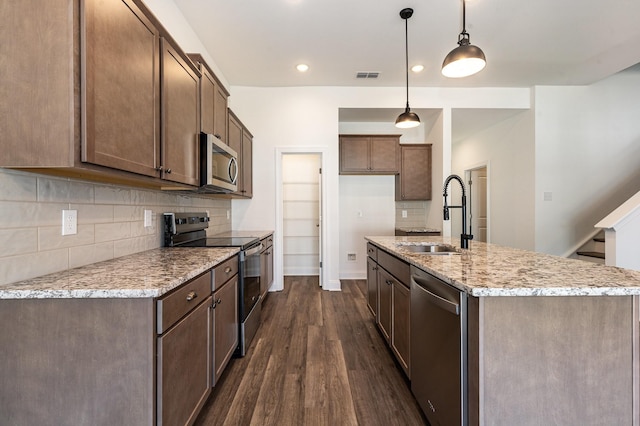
416, 214
110, 222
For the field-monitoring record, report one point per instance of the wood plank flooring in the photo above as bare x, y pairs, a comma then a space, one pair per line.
317, 359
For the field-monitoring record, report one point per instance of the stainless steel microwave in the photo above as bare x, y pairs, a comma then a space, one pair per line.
218, 166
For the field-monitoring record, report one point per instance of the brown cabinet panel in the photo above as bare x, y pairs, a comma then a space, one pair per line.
247, 164
384, 154
213, 101
369, 154
241, 141
372, 286
180, 117
266, 266
354, 154
220, 111
225, 313
385, 281
121, 116
400, 323
36, 89
414, 180
176, 304
184, 360
224, 271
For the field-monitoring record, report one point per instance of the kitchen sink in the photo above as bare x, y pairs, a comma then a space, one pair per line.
429, 248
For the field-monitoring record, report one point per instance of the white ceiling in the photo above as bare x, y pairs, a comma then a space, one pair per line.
541, 42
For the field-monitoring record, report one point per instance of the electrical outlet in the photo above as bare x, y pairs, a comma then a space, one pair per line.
148, 218
404, 214
351, 257
69, 222
228, 214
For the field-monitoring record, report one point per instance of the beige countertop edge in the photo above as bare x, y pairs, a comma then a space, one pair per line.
490, 270
147, 274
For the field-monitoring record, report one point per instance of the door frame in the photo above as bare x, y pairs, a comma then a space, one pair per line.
467, 176
279, 243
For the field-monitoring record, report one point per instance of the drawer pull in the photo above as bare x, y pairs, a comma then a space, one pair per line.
227, 270
388, 282
192, 295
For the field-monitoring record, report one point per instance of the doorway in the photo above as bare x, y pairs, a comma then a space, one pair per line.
301, 214
477, 179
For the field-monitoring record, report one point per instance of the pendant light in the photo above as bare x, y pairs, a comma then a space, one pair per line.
466, 59
407, 119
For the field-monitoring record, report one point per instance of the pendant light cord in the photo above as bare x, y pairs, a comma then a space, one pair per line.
406, 55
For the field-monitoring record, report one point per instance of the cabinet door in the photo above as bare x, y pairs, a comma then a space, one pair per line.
184, 362
180, 118
36, 84
372, 286
400, 338
225, 325
385, 154
385, 281
122, 86
414, 180
220, 113
247, 164
354, 154
207, 101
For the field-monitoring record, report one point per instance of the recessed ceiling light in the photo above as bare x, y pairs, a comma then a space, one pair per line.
302, 67
417, 68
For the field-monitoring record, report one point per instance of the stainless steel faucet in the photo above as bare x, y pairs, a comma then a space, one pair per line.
464, 237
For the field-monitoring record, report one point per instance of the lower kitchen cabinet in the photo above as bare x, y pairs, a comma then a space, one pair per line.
184, 360
266, 265
225, 325
184, 351
372, 286
389, 299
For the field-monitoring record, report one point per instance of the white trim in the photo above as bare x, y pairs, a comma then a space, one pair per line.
278, 249
622, 215
467, 176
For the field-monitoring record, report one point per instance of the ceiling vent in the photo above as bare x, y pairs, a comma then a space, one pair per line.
365, 74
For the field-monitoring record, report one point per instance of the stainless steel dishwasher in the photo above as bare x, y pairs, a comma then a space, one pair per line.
439, 349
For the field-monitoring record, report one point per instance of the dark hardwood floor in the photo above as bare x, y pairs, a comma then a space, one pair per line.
317, 359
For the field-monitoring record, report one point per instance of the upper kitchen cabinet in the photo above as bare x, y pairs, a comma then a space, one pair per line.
213, 101
122, 90
180, 117
369, 154
241, 140
83, 94
413, 183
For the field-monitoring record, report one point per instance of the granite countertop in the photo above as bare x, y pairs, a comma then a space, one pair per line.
147, 274
493, 270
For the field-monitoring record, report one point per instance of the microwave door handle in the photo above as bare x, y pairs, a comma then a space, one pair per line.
233, 163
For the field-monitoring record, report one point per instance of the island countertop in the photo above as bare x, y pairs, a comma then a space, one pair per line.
150, 273
493, 270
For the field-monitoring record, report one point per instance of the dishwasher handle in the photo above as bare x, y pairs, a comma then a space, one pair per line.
430, 291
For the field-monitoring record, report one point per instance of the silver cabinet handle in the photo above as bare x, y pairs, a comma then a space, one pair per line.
192, 295
233, 163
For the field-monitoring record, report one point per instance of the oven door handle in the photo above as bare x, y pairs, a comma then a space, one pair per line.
253, 250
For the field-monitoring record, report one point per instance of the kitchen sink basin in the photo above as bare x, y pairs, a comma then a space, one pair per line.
429, 248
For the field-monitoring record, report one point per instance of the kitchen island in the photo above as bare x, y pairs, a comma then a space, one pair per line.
548, 340
125, 341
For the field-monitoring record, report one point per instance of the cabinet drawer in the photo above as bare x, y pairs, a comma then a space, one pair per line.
395, 266
177, 304
372, 251
224, 271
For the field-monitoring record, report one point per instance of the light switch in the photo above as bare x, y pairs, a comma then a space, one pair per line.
548, 196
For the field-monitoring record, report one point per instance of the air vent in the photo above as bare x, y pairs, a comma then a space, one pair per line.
367, 74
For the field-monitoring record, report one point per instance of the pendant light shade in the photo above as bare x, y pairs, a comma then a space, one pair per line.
407, 119
466, 59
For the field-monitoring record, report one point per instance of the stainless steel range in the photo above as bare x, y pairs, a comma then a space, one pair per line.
188, 230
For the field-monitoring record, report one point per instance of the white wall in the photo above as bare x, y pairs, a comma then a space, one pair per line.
587, 156
308, 117
507, 147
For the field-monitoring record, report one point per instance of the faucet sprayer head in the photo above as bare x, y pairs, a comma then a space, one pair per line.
445, 212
